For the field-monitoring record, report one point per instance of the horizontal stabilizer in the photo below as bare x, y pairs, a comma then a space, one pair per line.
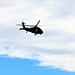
21, 29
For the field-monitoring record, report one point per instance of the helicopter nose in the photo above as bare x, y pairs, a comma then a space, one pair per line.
41, 32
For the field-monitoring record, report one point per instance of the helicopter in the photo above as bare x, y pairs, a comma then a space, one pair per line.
33, 28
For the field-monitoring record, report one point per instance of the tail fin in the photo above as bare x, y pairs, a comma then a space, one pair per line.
23, 24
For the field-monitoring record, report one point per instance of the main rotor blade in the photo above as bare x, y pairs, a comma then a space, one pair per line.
25, 25
48, 25
38, 22
34, 25
18, 24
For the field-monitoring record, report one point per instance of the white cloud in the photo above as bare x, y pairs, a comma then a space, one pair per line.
66, 63
56, 47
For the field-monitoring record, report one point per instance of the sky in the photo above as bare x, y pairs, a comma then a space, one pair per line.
52, 53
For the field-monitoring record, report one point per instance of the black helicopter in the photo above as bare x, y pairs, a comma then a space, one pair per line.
33, 29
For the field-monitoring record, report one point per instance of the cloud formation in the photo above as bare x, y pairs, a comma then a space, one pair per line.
56, 47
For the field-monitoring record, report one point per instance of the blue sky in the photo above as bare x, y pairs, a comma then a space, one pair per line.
26, 67
48, 54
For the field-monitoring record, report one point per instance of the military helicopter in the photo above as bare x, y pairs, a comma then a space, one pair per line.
33, 29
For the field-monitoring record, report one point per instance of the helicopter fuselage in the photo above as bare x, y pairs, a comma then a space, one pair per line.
35, 30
